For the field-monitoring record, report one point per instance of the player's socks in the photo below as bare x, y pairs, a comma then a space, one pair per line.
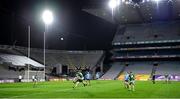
133, 88
85, 85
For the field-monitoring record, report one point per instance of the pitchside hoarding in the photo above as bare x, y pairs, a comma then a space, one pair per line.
173, 77
144, 77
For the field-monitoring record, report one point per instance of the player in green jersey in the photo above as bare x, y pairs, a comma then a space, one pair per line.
131, 81
79, 79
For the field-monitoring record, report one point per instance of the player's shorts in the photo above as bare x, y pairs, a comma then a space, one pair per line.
132, 82
79, 80
126, 80
35, 80
86, 79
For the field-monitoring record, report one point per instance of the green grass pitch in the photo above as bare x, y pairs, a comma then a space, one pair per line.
98, 89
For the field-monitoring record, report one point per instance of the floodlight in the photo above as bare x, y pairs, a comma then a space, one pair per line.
156, 0
47, 17
113, 3
62, 39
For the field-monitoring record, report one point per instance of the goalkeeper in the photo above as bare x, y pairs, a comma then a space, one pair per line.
78, 79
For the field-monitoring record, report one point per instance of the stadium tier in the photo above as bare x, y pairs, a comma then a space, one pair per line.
19, 60
7, 73
148, 52
13, 64
55, 60
70, 58
143, 45
142, 70
12, 73
113, 72
140, 67
118, 70
148, 32
168, 67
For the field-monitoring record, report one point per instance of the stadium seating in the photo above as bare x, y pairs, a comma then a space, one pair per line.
18, 60
140, 67
168, 32
113, 72
5, 73
6, 49
168, 67
69, 58
15, 56
142, 70
149, 32
14, 63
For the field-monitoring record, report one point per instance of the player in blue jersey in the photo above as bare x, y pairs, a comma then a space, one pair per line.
126, 79
88, 78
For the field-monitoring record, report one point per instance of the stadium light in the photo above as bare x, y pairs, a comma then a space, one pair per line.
157, 0
62, 38
47, 17
113, 3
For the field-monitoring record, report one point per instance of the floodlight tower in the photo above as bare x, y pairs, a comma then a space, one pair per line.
47, 17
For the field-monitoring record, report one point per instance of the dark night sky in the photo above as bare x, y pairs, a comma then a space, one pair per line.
80, 30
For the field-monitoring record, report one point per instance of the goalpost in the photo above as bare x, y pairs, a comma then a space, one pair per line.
28, 51
28, 76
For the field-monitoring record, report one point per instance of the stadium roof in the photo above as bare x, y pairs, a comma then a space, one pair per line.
129, 12
75, 22
79, 30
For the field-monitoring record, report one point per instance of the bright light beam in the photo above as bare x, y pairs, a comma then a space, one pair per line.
47, 17
157, 1
113, 4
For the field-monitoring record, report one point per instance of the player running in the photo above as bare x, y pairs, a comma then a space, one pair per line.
78, 79
167, 78
35, 80
126, 78
88, 78
131, 81
154, 78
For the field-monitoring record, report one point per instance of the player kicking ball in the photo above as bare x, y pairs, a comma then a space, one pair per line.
131, 81
79, 79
